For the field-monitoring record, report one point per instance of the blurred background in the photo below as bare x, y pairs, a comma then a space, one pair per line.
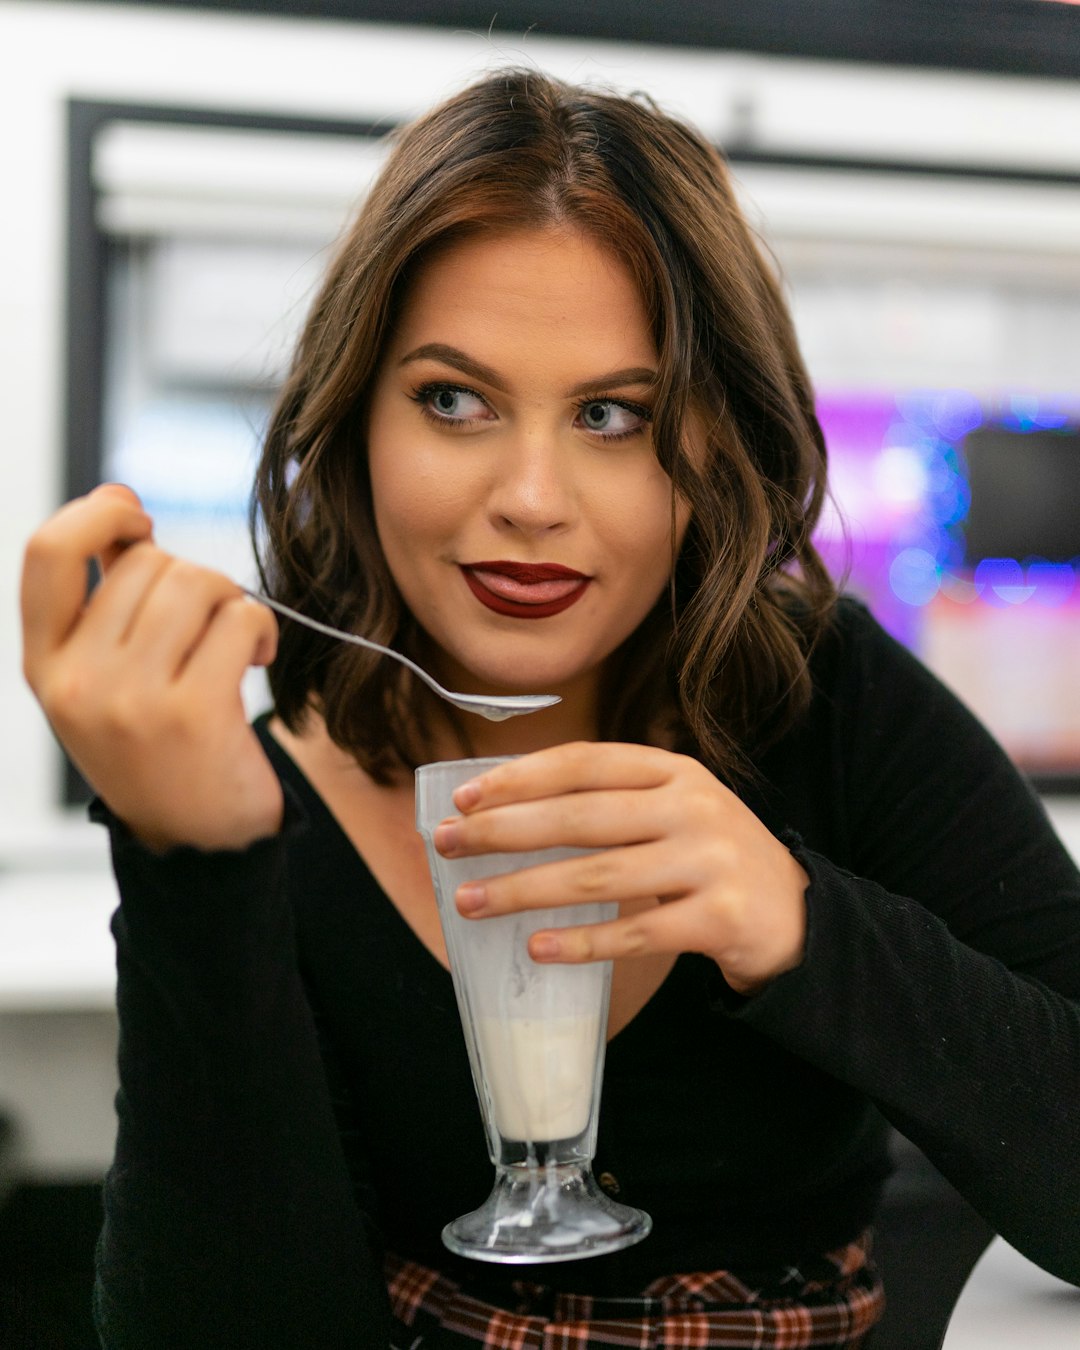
173, 177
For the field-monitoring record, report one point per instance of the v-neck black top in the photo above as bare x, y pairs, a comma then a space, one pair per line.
295, 1091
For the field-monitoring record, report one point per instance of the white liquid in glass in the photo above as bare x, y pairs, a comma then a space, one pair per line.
539, 1072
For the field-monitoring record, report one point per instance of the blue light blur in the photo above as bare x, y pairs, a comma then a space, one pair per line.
902, 485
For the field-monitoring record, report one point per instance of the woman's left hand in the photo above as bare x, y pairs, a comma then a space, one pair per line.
696, 868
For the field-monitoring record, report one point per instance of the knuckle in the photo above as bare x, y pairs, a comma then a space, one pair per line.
584, 947
584, 753
578, 755
143, 552
42, 545
719, 856
125, 713
176, 719
635, 939
699, 806
142, 711
62, 692
78, 706
594, 875
202, 584
187, 576
256, 618
251, 625
32, 674
565, 818
234, 613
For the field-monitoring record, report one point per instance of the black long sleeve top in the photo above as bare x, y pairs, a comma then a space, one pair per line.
295, 1093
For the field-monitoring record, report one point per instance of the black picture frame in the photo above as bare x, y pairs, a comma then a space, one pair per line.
1038, 38
87, 259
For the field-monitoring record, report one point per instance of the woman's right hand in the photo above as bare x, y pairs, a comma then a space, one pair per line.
141, 682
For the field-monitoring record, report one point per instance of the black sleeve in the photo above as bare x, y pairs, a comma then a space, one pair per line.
942, 971
230, 1218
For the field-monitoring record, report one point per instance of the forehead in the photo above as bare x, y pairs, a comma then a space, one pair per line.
533, 288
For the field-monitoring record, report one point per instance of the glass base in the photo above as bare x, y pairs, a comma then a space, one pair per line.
552, 1212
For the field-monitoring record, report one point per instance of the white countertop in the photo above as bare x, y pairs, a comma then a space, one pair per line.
1008, 1304
56, 951
57, 1004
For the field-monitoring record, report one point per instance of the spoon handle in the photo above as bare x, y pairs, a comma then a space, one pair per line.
495, 707
339, 633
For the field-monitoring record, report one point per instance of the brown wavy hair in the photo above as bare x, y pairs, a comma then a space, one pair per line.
722, 659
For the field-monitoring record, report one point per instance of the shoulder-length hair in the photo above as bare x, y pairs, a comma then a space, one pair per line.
721, 662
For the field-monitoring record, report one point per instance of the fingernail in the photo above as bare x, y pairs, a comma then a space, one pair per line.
468, 794
447, 836
470, 898
544, 948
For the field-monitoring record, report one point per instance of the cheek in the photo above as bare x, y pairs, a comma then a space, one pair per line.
642, 522
420, 512
408, 485
401, 480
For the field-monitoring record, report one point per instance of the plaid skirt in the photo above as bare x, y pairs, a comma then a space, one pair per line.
829, 1302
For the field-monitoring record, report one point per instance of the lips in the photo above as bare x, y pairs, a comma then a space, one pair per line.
525, 590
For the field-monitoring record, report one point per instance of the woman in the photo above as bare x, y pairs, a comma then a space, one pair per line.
548, 430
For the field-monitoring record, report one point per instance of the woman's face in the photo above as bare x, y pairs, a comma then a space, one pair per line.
518, 500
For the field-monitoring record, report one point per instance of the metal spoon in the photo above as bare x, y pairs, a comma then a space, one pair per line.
495, 707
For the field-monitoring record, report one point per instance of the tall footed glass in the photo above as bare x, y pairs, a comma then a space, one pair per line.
535, 1036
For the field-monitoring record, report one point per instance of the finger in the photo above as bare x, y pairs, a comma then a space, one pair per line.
111, 610
174, 615
240, 634
667, 929
600, 819
119, 490
615, 875
54, 577
577, 766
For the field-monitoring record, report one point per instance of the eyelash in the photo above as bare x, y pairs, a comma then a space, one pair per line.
426, 392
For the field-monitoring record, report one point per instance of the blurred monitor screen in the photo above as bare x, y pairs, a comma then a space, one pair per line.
1025, 494
957, 520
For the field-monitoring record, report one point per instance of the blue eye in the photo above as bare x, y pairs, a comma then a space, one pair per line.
611, 419
449, 403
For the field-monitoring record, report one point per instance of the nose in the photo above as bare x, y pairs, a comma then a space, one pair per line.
532, 491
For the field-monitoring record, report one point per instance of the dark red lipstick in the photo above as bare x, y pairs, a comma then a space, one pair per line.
525, 590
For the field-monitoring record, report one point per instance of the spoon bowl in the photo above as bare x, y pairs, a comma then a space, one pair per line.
495, 707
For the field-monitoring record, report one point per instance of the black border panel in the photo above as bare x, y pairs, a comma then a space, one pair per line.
87, 253
86, 257
1018, 37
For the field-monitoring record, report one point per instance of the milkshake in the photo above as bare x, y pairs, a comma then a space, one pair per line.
535, 1038
539, 1073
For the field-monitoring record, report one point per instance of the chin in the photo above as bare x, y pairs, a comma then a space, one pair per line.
526, 660
524, 675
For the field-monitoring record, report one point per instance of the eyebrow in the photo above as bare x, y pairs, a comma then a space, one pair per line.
452, 356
